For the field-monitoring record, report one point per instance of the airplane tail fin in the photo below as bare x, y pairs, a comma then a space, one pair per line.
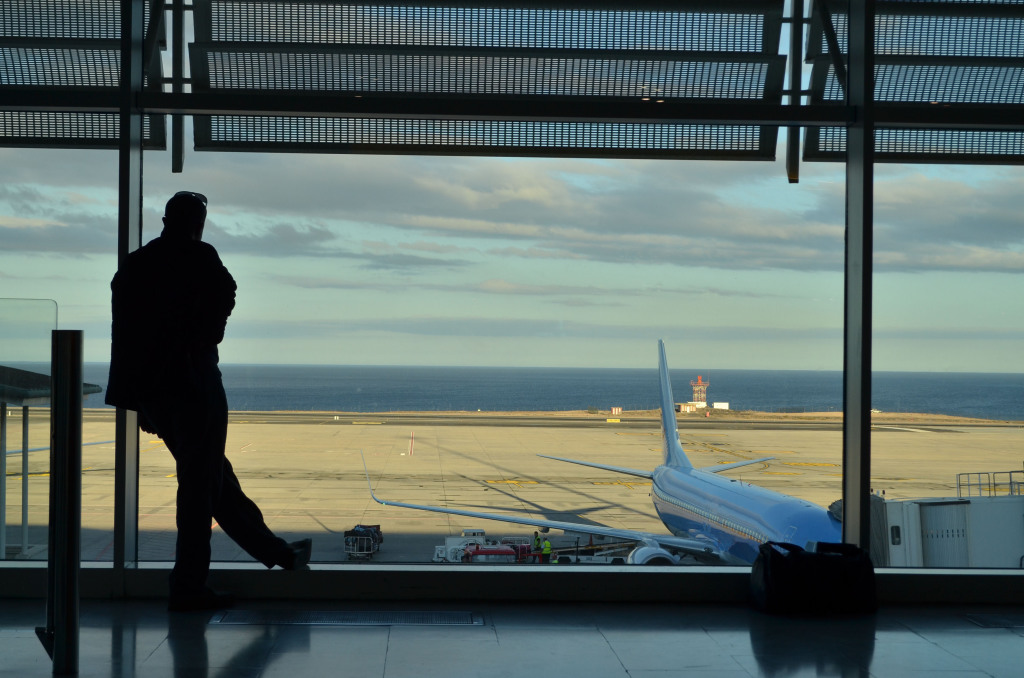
674, 454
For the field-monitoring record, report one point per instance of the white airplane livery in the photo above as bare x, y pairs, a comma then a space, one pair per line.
709, 517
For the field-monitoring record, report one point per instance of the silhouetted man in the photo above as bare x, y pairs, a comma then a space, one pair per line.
171, 301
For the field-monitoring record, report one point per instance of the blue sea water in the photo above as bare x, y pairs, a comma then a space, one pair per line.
387, 389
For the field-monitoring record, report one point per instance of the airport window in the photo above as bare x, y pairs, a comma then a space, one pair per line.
447, 351
300, 431
945, 437
429, 302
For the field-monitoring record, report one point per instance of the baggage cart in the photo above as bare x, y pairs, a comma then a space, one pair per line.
362, 541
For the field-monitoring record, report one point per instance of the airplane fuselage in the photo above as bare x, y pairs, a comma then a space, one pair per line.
734, 516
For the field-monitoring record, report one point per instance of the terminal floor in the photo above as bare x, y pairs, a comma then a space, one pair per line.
140, 638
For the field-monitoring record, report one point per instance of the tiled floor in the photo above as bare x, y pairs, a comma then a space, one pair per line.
124, 639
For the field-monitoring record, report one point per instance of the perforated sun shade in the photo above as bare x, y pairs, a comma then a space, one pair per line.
564, 57
63, 48
938, 53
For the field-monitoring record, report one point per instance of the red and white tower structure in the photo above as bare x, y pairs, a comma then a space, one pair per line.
700, 392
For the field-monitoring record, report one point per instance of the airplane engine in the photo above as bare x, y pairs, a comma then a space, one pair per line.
651, 555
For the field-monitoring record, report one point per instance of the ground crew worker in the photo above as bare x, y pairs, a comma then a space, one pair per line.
535, 557
545, 551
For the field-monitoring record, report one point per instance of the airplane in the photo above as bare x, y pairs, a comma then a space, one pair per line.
711, 518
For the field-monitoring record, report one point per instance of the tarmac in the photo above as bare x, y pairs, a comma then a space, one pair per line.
306, 471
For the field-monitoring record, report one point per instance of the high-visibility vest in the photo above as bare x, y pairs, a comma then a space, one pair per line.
547, 547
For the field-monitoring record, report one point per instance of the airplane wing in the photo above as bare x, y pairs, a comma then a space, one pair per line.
648, 474
606, 467
700, 550
40, 449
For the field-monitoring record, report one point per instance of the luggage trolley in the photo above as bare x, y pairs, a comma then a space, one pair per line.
362, 541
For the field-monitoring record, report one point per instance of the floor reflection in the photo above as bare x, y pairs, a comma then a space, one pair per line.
141, 639
832, 646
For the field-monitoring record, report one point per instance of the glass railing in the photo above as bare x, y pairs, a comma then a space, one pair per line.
25, 330
26, 327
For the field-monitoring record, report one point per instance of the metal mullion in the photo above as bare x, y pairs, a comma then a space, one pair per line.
24, 480
949, 9
674, 6
796, 39
177, 84
858, 279
835, 54
3, 481
372, 49
546, 108
126, 447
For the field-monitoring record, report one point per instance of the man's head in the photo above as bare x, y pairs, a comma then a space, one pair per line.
185, 215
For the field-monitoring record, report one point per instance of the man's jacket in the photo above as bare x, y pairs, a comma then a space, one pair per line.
170, 302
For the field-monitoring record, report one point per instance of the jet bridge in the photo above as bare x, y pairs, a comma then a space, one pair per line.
983, 526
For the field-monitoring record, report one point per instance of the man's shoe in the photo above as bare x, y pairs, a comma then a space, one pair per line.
299, 553
207, 599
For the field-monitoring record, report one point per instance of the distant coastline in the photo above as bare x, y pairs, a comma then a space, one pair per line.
793, 393
652, 417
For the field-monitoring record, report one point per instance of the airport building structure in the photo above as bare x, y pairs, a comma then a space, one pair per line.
910, 82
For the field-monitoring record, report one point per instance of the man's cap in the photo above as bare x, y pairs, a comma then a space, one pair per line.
186, 207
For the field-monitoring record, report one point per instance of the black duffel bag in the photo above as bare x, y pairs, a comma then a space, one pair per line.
834, 579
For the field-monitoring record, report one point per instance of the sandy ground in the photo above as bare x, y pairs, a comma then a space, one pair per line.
305, 470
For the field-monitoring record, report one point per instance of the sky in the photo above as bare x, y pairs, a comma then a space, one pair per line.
408, 260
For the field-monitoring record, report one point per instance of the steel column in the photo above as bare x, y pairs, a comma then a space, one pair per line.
859, 246
129, 236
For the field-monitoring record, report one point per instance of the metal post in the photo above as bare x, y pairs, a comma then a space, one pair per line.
45, 633
24, 480
860, 147
66, 471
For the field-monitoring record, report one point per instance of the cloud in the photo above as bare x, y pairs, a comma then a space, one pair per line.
501, 287
283, 239
729, 216
520, 327
61, 234
936, 222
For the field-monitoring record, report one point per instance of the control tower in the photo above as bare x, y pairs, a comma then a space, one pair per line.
700, 392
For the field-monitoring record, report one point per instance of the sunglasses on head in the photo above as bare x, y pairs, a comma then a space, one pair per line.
198, 196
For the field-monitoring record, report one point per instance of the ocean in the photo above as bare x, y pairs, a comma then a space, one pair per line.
387, 389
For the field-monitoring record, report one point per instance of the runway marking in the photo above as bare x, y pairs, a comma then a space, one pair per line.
782, 473
626, 483
519, 483
367, 423
901, 428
